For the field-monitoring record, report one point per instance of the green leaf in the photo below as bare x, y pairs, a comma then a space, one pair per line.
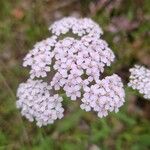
70, 121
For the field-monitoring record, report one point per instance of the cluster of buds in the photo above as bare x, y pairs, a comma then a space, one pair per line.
72, 64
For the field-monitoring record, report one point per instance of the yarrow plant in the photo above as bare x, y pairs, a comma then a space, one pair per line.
73, 64
140, 80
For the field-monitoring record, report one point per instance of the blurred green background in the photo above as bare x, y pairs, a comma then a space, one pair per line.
126, 28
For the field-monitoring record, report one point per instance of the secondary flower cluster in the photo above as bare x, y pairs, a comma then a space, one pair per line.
36, 102
79, 27
40, 57
75, 66
140, 80
104, 96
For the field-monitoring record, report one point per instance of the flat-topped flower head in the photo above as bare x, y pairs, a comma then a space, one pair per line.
140, 80
72, 64
36, 102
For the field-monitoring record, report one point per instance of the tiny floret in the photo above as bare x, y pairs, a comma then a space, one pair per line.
140, 80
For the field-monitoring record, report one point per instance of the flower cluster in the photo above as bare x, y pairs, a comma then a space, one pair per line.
40, 58
79, 27
76, 59
104, 96
140, 80
75, 66
37, 103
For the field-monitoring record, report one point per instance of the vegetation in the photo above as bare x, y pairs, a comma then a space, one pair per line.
125, 24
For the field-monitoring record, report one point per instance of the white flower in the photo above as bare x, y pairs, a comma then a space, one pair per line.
140, 80
36, 102
40, 57
80, 27
75, 59
73, 65
105, 96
